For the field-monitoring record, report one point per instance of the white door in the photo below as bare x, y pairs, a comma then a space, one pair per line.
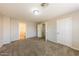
64, 31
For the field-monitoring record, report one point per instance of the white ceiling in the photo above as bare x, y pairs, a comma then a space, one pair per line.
24, 10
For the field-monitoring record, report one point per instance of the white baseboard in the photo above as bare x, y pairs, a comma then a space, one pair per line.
66, 45
74, 48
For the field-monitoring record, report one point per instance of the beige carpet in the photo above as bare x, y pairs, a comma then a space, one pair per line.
36, 47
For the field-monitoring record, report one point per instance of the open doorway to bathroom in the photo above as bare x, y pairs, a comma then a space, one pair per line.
41, 31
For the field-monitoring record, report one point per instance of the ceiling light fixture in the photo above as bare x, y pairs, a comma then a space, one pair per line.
36, 12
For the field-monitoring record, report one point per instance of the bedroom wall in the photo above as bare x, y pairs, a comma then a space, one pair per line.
75, 31
1, 34
6, 30
51, 33
51, 30
30, 29
9, 29
14, 29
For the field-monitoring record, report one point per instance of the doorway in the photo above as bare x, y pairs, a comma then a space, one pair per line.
41, 31
22, 31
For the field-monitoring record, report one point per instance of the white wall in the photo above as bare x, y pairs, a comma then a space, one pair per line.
14, 29
75, 33
30, 29
6, 30
9, 29
1, 32
51, 30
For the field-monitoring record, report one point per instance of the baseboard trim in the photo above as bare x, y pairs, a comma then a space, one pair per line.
64, 45
75, 48
32, 37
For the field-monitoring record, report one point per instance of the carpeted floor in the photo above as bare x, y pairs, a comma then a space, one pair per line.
36, 47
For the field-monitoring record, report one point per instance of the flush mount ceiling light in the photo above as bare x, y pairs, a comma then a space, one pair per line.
36, 12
